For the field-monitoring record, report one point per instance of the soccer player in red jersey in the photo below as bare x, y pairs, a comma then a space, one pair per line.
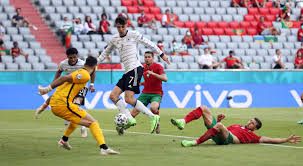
235, 134
152, 93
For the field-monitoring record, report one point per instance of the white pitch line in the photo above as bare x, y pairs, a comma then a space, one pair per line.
162, 135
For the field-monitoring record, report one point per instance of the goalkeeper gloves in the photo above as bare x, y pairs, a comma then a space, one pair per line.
44, 90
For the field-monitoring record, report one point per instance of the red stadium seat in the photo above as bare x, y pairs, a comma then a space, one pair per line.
270, 18
149, 3
252, 31
296, 24
150, 16
179, 24
218, 31
176, 17
234, 24
146, 9
189, 24
154, 10
254, 24
274, 11
135, 2
263, 11
222, 24
207, 31
228, 31
212, 24
249, 18
127, 2
200, 24
268, 24
268, 4
253, 11
132, 9
244, 24
158, 17
257, 17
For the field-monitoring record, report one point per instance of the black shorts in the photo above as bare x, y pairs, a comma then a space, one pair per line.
131, 80
82, 94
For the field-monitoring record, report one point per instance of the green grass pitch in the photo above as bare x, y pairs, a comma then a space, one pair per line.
25, 141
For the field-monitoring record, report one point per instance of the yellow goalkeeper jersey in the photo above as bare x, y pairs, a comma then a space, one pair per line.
65, 93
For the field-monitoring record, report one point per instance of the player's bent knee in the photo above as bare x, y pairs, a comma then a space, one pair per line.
204, 108
154, 108
219, 125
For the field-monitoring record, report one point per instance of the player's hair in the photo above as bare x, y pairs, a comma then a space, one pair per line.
121, 20
91, 61
71, 51
149, 52
231, 52
103, 14
259, 125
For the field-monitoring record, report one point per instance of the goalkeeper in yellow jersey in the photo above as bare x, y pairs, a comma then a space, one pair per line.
62, 105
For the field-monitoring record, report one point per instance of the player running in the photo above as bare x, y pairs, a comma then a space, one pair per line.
222, 135
127, 44
69, 65
152, 93
62, 104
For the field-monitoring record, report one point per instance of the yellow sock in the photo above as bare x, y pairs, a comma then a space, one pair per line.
70, 129
97, 133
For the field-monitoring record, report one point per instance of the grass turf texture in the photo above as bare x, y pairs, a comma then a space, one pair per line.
29, 142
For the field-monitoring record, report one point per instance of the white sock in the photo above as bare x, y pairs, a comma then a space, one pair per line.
122, 107
83, 127
141, 107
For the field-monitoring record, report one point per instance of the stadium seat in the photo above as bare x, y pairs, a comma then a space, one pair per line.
149, 3
216, 18
132, 9
270, 18
51, 66
187, 10
171, 66
250, 52
221, 46
263, 11
238, 18
222, 24
249, 18
218, 31
212, 24
213, 38
7, 59
227, 18
232, 46
11, 66
244, 24
179, 24
228, 31
265, 65
258, 59
220, 11
2, 67
188, 59
252, 31
199, 11
209, 11
225, 38
25, 66
189, 24
193, 66
253, 11
231, 11
262, 52
203, 4
176, 59
154, 10
234, 24
236, 39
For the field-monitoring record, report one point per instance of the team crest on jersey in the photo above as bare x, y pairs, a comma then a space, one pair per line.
79, 76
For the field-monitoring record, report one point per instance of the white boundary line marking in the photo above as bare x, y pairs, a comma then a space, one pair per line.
162, 135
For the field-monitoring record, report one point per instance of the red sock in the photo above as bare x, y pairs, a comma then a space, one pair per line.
157, 113
45, 105
195, 114
132, 115
208, 135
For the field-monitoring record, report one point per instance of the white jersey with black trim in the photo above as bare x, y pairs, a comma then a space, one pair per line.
67, 68
128, 49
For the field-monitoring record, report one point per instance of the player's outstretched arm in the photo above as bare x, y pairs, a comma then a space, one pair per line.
92, 80
54, 84
108, 49
220, 117
161, 77
291, 139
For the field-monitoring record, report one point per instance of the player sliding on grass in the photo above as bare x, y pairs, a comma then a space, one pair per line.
152, 93
62, 104
69, 65
127, 44
222, 135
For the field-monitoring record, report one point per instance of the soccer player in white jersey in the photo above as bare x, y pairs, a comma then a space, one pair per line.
127, 44
69, 65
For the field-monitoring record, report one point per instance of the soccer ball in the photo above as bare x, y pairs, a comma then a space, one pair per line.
121, 120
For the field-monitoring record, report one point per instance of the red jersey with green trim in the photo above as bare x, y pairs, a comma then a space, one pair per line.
244, 135
151, 83
230, 61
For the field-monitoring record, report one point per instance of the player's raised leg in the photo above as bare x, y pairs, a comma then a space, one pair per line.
130, 99
195, 114
219, 128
